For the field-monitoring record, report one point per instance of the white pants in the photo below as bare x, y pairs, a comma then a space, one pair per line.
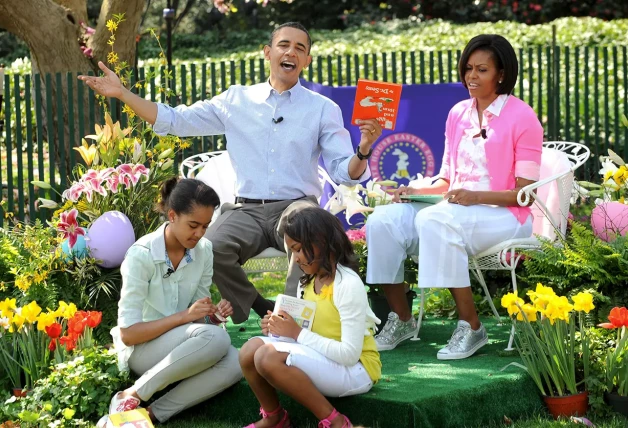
329, 377
442, 236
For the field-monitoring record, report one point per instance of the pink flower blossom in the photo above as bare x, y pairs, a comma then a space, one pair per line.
89, 53
357, 234
133, 172
73, 193
69, 227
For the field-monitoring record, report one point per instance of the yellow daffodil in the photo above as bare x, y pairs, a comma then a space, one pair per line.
31, 311
45, 319
618, 176
16, 322
541, 296
558, 308
510, 302
7, 307
65, 311
530, 312
583, 302
128, 110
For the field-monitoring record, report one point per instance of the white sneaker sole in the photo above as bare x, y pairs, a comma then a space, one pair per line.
391, 346
463, 355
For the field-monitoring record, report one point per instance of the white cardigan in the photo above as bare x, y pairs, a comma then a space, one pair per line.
356, 319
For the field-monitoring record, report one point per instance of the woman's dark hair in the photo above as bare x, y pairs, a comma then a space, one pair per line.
315, 227
503, 54
180, 195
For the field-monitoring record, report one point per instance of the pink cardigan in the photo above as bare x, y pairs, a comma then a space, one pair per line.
513, 145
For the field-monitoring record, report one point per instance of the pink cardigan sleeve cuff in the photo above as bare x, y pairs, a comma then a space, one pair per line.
529, 170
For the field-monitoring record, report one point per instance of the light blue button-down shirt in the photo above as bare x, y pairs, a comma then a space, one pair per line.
149, 292
271, 160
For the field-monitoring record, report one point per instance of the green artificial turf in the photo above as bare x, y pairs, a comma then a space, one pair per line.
416, 390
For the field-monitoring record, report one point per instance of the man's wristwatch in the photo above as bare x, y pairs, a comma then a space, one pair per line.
361, 156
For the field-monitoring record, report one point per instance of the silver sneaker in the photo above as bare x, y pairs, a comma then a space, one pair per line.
464, 342
394, 332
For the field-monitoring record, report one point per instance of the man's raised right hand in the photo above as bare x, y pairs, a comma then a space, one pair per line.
108, 85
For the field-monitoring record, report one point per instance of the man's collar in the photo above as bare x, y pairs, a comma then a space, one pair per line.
264, 90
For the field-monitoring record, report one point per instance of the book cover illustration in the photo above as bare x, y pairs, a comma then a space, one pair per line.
377, 100
302, 311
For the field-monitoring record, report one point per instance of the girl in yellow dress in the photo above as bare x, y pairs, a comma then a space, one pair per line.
338, 357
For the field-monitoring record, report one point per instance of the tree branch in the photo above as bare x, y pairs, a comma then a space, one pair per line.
127, 30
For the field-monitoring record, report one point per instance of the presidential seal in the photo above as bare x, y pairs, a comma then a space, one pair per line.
401, 157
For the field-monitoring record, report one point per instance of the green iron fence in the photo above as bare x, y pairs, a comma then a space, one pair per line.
578, 93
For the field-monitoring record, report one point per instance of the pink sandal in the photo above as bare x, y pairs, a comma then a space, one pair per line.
283, 423
326, 423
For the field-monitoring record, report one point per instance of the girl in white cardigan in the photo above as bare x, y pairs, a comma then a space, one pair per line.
338, 357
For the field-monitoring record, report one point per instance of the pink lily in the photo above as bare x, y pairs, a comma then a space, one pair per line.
73, 193
94, 179
113, 181
134, 172
69, 226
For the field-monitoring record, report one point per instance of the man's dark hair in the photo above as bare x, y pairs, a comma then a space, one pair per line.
296, 25
503, 54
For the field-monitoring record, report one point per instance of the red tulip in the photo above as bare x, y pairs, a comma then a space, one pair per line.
94, 318
68, 342
54, 330
76, 324
52, 346
618, 318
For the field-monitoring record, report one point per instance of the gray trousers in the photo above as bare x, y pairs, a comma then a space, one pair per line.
200, 356
240, 233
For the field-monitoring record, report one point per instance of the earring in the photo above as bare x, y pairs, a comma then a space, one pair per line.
500, 81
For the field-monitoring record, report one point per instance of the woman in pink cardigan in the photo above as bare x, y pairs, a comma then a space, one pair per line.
493, 147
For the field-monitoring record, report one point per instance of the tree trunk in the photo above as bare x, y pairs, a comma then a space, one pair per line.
51, 29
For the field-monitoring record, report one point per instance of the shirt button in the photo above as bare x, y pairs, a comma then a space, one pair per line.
272, 193
272, 150
272, 170
275, 129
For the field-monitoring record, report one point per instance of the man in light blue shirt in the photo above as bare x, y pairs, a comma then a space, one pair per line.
276, 131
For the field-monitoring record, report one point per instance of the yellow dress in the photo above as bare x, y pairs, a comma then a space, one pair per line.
327, 324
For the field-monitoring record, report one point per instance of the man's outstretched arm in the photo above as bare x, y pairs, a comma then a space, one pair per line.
109, 85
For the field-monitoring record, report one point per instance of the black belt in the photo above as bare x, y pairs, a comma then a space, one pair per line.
240, 200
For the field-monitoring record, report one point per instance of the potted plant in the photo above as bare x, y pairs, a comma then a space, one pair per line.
553, 344
616, 394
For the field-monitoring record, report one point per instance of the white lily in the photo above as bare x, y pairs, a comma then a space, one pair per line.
607, 165
420, 182
47, 203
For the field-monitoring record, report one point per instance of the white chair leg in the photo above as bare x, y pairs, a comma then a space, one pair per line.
480, 277
511, 340
418, 321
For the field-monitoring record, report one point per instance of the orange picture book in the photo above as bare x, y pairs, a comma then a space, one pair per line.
377, 100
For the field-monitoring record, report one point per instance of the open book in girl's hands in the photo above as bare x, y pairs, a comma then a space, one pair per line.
302, 311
